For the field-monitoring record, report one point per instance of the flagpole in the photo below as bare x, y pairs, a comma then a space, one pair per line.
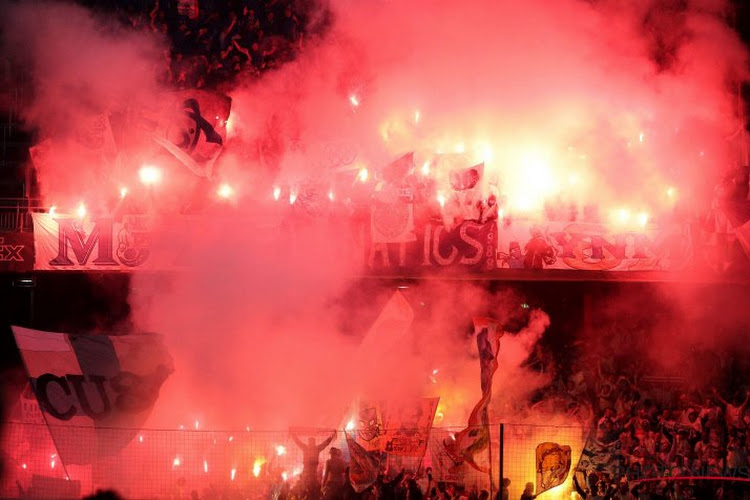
489, 449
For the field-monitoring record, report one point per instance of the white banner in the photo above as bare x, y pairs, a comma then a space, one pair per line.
66, 243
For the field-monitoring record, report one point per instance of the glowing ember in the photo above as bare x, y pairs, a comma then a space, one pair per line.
149, 175
81, 210
276, 193
280, 450
225, 191
363, 175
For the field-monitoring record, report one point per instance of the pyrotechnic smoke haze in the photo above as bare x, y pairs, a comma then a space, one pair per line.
602, 102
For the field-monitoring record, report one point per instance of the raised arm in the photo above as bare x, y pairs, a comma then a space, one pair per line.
322, 446
297, 440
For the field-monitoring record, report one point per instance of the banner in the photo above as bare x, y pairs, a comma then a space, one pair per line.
364, 465
475, 438
66, 243
190, 126
396, 427
594, 247
470, 246
94, 391
552, 466
16, 252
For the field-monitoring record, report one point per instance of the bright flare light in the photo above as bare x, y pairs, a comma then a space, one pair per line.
280, 450
176, 462
416, 116
276, 193
149, 175
671, 193
257, 464
81, 210
197, 425
52, 210
363, 175
225, 191
123, 192
643, 219
292, 197
353, 99
205, 466
349, 425
233, 474
331, 195
441, 199
140, 439
426, 168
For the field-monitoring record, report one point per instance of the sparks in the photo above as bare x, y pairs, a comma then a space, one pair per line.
149, 175
276, 193
81, 210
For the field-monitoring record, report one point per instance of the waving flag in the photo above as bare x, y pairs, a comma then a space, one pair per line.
475, 438
364, 465
552, 466
94, 391
191, 127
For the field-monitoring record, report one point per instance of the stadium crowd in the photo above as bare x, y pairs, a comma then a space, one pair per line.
211, 43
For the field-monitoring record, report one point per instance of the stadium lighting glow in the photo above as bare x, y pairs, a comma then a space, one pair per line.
149, 175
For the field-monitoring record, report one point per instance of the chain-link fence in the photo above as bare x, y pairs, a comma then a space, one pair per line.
247, 463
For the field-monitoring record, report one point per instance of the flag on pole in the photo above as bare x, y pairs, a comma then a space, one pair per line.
475, 438
364, 465
94, 391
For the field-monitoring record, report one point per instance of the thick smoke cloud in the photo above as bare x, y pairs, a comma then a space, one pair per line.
604, 102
